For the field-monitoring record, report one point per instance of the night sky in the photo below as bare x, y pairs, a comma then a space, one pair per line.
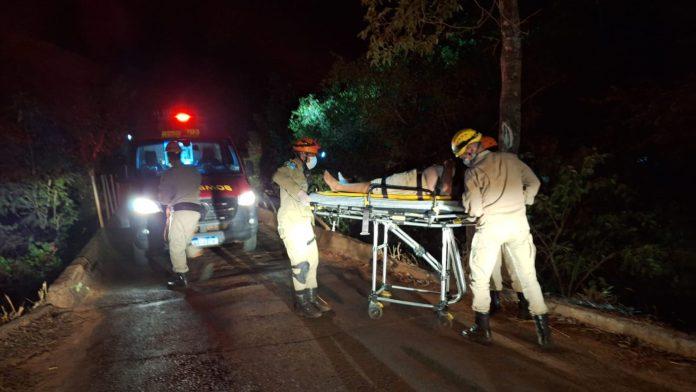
210, 52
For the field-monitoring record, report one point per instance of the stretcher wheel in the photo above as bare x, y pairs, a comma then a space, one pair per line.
375, 310
445, 318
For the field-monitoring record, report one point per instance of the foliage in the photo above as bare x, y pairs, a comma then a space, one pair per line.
272, 128
254, 150
41, 207
400, 27
585, 222
40, 195
37, 263
373, 122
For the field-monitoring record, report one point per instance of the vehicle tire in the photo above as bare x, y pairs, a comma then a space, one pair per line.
251, 243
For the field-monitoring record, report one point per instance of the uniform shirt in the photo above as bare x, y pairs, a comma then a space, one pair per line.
180, 184
291, 180
498, 183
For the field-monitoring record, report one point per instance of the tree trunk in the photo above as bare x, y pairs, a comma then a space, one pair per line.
510, 77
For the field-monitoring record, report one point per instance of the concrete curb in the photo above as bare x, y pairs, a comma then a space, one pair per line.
73, 285
659, 337
662, 338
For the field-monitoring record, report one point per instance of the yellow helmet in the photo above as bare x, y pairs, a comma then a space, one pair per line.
464, 138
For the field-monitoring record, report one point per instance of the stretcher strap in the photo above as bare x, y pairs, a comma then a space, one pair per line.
419, 184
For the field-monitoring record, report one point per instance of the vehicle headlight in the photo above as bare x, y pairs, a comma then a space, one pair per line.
247, 198
145, 206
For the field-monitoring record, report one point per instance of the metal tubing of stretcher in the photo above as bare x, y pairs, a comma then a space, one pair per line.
385, 254
458, 271
451, 263
375, 232
397, 301
447, 235
414, 245
413, 289
444, 272
405, 223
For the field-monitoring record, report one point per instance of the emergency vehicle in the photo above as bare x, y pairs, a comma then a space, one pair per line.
228, 203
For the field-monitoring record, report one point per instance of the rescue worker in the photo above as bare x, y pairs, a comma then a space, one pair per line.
296, 226
498, 186
179, 191
489, 143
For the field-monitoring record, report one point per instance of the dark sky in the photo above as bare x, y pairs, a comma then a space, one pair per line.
199, 50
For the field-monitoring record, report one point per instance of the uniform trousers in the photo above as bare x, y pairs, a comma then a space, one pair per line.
298, 236
511, 232
182, 227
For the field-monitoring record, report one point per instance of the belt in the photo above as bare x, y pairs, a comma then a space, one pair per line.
185, 206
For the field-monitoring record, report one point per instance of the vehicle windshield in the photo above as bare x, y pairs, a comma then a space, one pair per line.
209, 157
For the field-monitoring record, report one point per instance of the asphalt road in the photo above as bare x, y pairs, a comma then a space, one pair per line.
235, 330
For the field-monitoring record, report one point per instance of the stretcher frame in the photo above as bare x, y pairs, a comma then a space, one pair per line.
391, 220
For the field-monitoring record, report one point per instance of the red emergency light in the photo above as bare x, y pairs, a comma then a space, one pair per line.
182, 117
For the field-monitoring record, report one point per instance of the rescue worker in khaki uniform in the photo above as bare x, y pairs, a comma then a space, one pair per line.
179, 190
296, 227
488, 143
498, 188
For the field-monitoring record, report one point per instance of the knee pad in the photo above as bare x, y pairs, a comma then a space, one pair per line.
304, 270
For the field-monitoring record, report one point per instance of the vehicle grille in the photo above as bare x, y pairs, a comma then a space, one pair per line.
221, 209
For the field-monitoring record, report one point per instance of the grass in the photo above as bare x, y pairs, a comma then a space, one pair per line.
10, 312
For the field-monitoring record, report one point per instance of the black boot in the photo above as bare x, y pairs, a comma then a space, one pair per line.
317, 301
523, 308
481, 331
178, 282
495, 302
304, 307
543, 330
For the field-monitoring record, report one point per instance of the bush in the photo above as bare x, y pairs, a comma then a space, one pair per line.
40, 197
36, 264
587, 229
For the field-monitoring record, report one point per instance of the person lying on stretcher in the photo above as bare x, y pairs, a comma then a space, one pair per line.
436, 178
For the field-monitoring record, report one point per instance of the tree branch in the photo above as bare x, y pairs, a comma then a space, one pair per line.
595, 267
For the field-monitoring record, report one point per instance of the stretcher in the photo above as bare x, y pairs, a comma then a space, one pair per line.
392, 214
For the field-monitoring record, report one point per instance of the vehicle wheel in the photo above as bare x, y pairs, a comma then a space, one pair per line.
374, 310
250, 244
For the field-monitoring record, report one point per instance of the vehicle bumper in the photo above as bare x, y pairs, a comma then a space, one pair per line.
242, 227
148, 230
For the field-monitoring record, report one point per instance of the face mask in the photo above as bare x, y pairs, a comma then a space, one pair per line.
311, 162
467, 162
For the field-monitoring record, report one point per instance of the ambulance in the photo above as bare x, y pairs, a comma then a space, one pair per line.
228, 202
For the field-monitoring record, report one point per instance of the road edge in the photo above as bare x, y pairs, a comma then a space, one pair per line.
74, 284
